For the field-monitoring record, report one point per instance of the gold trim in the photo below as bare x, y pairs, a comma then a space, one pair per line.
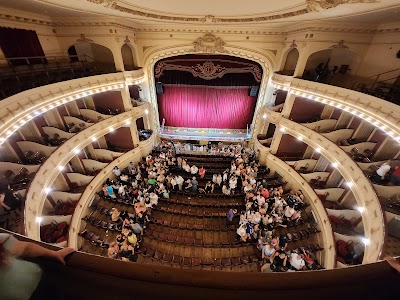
311, 6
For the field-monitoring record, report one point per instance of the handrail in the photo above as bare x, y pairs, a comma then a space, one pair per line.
25, 106
102, 275
376, 111
48, 171
92, 188
329, 258
398, 69
364, 193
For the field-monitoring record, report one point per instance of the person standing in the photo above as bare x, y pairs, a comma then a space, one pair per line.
194, 185
230, 215
179, 180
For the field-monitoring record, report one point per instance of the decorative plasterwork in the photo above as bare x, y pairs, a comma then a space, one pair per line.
84, 39
280, 32
340, 44
209, 43
310, 6
208, 69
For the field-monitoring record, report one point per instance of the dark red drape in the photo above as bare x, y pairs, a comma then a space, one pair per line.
20, 43
206, 107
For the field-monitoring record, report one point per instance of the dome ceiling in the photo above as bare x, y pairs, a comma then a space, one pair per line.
228, 12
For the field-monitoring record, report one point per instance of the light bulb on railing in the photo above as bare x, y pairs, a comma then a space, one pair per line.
94, 139
60, 168
38, 220
349, 184
146, 111
318, 150
300, 138
334, 165
366, 241
361, 209
264, 116
47, 190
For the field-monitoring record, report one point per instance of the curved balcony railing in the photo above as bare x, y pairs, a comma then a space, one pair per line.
48, 172
98, 276
19, 109
364, 193
94, 186
297, 182
378, 112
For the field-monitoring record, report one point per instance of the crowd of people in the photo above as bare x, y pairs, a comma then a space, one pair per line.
266, 207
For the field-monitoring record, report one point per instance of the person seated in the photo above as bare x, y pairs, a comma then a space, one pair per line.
380, 175
268, 252
202, 172
395, 177
127, 251
241, 233
280, 260
113, 250
194, 169
296, 261
208, 187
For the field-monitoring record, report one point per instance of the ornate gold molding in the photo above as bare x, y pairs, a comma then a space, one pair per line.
209, 43
310, 6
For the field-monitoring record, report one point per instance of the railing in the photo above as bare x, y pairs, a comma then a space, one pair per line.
382, 85
94, 186
19, 109
104, 278
364, 193
297, 182
380, 113
22, 73
49, 170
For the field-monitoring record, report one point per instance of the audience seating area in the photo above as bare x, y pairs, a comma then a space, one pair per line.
190, 229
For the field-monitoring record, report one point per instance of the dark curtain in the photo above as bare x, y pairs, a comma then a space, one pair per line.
206, 107
21, 43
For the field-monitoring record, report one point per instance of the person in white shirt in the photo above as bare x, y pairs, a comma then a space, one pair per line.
379, 177
117, 171
214, 178
179, 181
174, 183
296, 261
219, 179
194, 170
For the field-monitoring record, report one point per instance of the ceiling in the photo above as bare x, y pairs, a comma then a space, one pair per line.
216, 13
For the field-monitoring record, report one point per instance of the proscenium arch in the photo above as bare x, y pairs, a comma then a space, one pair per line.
265, 61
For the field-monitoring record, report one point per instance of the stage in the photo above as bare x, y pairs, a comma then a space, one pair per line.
205, 134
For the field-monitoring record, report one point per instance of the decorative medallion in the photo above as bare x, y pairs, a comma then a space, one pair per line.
209, 43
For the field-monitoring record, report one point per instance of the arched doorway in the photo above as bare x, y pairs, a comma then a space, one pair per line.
291, 62
127, 57
330, 64
97, 56
73, 55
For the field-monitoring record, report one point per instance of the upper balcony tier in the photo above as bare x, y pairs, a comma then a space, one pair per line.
378, 112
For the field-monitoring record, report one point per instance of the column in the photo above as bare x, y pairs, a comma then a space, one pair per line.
287, 107
301, 64
276, 140
126, 98
118, 61
134, 134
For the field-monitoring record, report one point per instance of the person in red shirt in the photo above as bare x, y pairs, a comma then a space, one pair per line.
265, 193
395, 178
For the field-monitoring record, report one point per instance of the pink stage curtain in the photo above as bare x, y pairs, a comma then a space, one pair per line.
206, 107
